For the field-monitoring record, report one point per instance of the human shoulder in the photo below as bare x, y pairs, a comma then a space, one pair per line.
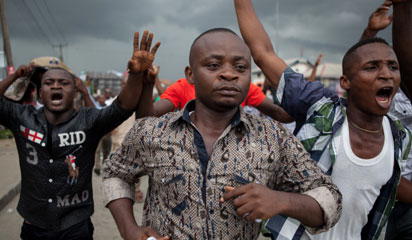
264, 125
156, 126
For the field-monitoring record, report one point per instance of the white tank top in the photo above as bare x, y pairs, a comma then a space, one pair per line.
359, 181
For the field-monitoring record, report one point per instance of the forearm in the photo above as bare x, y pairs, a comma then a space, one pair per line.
368, 33
88, 102
159, 88
405, 191
402, 40
312, 76
258, 41
145, 106
303, 208
122, 211
130, 95
6, 82
274, 111
251, 28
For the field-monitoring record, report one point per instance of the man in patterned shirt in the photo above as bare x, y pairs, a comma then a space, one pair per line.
352, 140
215, 171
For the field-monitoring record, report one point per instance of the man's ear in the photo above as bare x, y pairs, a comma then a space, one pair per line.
344, 82
189, 74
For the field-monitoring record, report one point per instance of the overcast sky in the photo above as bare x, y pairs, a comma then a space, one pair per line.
99, 32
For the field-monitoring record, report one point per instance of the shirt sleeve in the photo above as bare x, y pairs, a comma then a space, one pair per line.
124, 167
296, 95
10, 112
174, 94
255, 96
106, 119
299, 173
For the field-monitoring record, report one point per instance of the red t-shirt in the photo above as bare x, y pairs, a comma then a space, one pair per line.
181, 92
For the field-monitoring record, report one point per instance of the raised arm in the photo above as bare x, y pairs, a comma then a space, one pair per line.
259, 42
23, 70
274, 111
312, 76
378, 20
145, 106
138, 67
402, 41
84, 92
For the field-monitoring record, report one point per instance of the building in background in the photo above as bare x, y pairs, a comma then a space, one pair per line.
3, 70
104, 80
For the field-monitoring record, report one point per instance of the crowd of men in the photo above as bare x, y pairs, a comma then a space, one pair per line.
217, 170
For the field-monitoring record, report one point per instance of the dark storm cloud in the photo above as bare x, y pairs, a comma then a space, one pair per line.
99, 32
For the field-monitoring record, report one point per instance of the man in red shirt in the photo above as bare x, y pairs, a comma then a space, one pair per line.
182, 91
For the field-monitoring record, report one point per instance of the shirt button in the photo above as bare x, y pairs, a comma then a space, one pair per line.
51, 160
50, 200
50, 180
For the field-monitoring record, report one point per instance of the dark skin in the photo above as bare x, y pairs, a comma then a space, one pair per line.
402, 38
362, 108
59, 81
221, 74
220, 71
373, 66
163, 106
139, 67
22, 71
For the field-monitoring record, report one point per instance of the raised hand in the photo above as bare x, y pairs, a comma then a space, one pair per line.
153, 74
380, 19
143, 55
319, 59
80, 85
23, 71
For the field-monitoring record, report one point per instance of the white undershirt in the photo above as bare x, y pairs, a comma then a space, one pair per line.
359, 181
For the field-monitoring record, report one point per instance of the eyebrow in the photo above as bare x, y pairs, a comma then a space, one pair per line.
379, 61
219, 57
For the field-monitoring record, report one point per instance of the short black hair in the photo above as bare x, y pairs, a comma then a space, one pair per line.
212, 30
348, 55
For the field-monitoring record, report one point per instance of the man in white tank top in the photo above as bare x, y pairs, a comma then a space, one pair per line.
351, 139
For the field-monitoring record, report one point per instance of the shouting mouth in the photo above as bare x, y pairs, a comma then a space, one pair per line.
57, 98
384, 97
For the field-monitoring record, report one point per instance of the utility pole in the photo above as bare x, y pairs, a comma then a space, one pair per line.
60, 46
6, 38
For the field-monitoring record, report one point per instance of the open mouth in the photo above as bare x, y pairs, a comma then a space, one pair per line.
383, 96
57, 98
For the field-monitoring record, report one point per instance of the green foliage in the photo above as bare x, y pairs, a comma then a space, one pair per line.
5, 133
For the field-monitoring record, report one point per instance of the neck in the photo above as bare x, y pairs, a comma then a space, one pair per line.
207, 118
364, 122
55, 118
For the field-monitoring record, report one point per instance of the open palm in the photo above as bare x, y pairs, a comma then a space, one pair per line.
143, 55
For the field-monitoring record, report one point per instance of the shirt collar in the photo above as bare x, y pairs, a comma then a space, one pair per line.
238, 120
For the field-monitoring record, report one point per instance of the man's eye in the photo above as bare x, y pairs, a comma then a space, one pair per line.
393, 67
241, 67
370, 67
212, 65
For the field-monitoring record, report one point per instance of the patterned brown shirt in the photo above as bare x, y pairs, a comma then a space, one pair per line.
185, 184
